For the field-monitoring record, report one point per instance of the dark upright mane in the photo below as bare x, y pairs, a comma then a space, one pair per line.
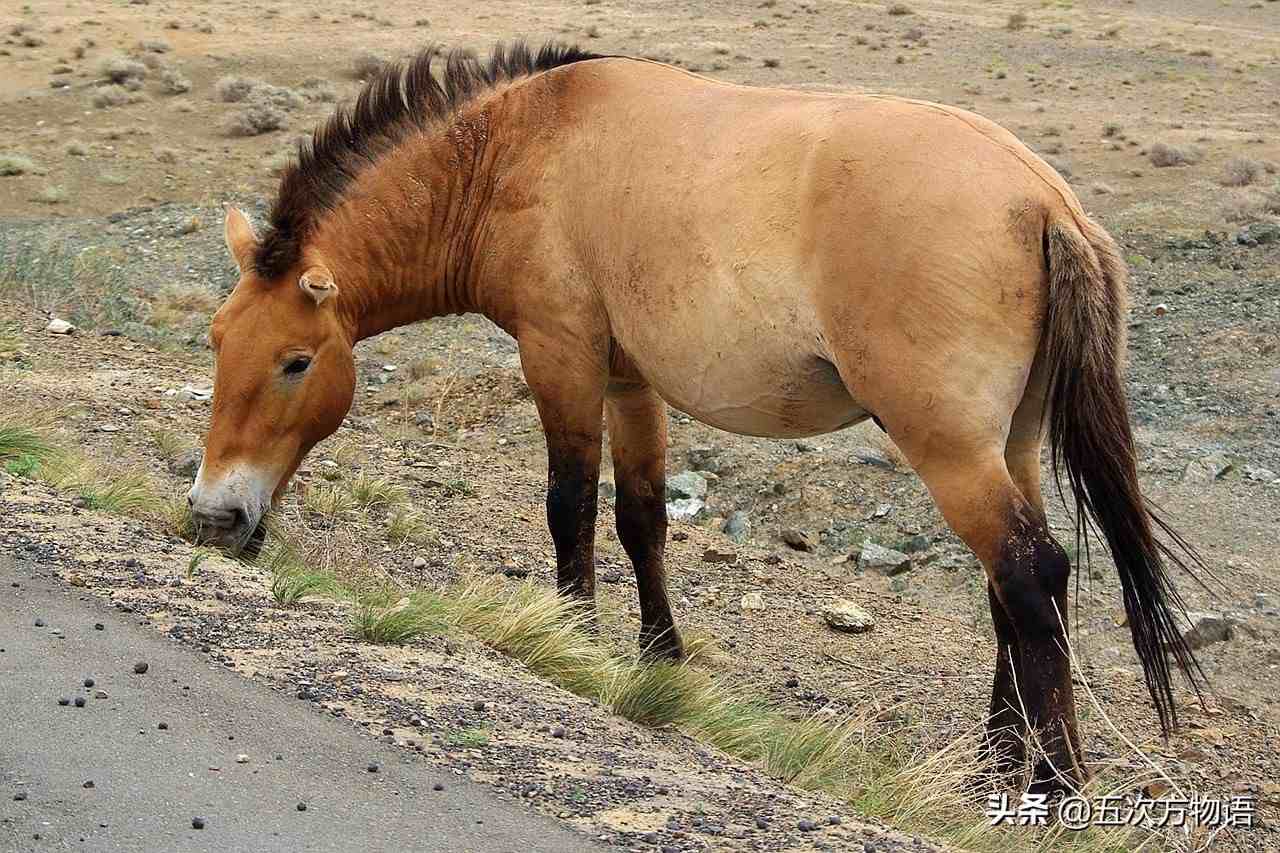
401, 99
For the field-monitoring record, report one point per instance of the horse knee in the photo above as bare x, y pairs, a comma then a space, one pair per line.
641, 516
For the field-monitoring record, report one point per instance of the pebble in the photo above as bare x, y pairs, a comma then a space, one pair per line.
88, 783
762, 823
79, 702
806, 825
302, 807
65, 700
39, 623
197, 823
372, 768
20, 796
164, 727
140, 667
439, 786
242, 759
98, 626
88, 682
100, 694
559, 733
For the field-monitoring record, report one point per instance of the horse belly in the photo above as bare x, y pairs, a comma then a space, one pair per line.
757, 391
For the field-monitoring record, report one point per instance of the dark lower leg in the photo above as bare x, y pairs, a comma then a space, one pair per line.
571, 515
1006, 726
1030, 579
637, 422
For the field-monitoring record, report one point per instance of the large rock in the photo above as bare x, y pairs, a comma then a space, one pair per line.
843, 615
884, 560
1259, 234
687, 485
59, 327
752, 601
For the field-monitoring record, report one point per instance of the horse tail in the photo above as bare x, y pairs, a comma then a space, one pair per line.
1091, 441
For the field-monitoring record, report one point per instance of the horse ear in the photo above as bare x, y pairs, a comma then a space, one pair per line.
317, 282
242, 242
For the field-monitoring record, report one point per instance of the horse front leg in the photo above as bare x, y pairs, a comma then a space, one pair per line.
569, 393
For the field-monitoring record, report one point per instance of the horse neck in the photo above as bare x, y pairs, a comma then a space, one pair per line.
401, 245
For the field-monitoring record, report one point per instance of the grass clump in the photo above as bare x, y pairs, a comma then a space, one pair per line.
22, 447
368, 492
1017, 21
899, 9
83, 287
291, 578
122, 70
378, 618
255, 120
116, 96
18, 164
233, 90
172, 82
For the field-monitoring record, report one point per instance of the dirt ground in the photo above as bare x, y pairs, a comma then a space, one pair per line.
1093, 86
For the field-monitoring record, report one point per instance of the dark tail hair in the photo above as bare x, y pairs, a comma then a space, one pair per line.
1090, 438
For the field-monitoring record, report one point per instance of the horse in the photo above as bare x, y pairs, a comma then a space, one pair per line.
772, 262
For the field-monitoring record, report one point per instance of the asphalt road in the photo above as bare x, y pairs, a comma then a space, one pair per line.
106, 777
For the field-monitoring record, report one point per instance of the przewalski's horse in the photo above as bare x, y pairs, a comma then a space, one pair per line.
774, 263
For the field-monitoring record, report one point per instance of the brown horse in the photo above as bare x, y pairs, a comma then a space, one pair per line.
772, 262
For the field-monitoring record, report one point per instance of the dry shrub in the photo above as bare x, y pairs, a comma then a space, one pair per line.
1244, 208
1017, 21
366, 64
1240, 172
257, 118
1163, 155
18, 164
121, 70
116, 96
233, 90
899, 9
173, 83
317, 89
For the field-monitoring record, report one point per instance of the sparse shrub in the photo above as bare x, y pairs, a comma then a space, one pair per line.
166, 155
1017, 21
18, 164
233, 90
76, 149
256, 118
1271, 201
1241, 172
120, 69
115, 96
1243, 208
173, 83
914, 34
317, 89
899, 9
51, 195
276, 96
1163, 155
366, 64
1112, 130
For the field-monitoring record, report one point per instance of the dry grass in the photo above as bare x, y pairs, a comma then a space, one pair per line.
385, 619
116, 96
1017, 21
233, 90
256, 119
368, 492
899, 9
121, 69
86, 287
173, 83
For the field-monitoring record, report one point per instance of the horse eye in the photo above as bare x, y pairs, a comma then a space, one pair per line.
297, 366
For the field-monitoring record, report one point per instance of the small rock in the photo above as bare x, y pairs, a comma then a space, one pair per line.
1160, 310
79, 702
798, 539
752, 601
197, 823
187, 463
884, 560
737, 526
559, 733
515, 570
88, 682
419, 562
844, 615
59, 327
1207, 469
64, 700
1200, 629
874, 457
916, 544
88, 783
686, 485
713, 555
140, 667
302, 807
684, 509
242, 759
39, 623
372, 768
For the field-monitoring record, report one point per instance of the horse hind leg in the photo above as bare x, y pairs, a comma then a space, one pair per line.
1027, 572
637, 422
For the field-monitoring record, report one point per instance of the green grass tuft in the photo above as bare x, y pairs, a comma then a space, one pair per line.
389, 621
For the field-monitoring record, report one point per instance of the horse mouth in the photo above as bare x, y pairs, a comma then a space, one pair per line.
252, 547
